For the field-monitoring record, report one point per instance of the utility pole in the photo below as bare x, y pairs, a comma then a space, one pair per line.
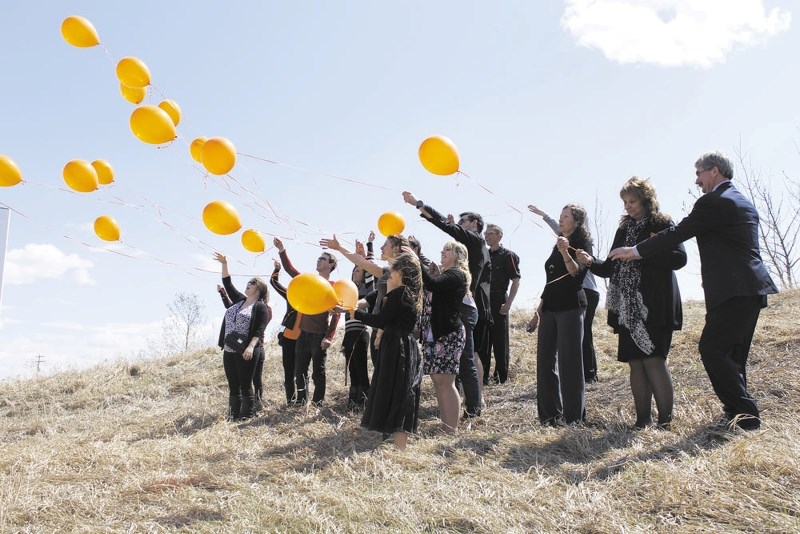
39, 360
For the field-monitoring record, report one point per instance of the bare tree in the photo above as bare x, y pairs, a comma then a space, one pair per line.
779, 219
186, 320
600, 231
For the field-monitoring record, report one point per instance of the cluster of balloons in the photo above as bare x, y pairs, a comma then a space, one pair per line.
217, 154
85, 177
311, 294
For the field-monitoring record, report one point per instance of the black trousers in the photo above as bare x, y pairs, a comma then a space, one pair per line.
724, 348
354, 347
589, 356
498, 342
309, 351
240, 372
288, 349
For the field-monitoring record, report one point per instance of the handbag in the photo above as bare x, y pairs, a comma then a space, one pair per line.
236, 342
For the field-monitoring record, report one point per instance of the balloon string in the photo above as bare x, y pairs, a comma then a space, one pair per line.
329, 175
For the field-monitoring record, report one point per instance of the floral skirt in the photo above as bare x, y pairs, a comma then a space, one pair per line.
442, 355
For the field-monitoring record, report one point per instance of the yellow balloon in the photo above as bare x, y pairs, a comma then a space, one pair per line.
134, 95
81, 176
79, 32
152, 125
172, 109
218, 155
9, 172
253, 241
221, 218
439, 155
133, 72
391, 223
105, 173
347, 292
196, 149
310, 294
106, 228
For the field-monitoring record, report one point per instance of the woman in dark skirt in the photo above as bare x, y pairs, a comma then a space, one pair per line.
644, 302
393, 403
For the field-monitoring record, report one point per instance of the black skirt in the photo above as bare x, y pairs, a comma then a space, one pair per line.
627, 350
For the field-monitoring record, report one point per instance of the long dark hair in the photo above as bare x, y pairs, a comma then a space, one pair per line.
581, 234
407, 264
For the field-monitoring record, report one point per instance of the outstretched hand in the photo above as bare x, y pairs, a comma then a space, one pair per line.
220, 258
536, 210
278, 244
409, 198
583, 257
331, 243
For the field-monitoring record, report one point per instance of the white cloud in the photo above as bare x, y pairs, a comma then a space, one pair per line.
36, 261
672, 32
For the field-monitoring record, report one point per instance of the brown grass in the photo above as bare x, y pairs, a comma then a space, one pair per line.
108, 450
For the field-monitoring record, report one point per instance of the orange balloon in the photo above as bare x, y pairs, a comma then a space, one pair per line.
79, 32
311, 294
347, 292
134, 95
221, 218
253, 241
391, 223
133, 72
196, 149
172, 109
152, 125
105, 173
106, 228
218, 155
439, 155
9, 172
80, 176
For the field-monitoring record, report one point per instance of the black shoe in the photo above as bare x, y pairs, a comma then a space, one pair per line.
470, 413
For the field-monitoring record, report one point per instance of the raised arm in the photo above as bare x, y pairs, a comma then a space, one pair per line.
552, 223
357, 259
287, 264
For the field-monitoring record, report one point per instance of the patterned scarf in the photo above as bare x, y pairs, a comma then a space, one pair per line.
624, 297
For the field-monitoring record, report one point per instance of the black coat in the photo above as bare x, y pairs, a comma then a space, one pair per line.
658, 286
447, 292
725, 224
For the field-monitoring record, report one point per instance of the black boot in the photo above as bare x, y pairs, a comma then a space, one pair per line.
289, 388
259, 403
352, 399
361, 398
234, 407
248, 406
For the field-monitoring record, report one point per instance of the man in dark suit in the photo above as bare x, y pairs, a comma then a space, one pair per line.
735, 281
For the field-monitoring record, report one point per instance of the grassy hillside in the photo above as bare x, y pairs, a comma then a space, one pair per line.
144, 447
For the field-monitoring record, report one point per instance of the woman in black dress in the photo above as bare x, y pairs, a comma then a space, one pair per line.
644, 302
393, 402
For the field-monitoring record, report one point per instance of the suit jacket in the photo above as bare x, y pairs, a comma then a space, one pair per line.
658, 285
725, 224
480, 266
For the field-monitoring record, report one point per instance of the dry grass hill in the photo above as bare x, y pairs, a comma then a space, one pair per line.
144, 447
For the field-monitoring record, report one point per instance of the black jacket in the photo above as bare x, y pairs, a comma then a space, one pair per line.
658, 286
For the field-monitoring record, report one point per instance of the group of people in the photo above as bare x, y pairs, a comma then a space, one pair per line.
445, 319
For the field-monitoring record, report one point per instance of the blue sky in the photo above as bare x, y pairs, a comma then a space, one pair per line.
548, 103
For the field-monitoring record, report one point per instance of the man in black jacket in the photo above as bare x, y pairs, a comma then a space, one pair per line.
735, 281
468, 232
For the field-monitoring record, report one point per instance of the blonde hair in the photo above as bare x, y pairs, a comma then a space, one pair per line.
462, 258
